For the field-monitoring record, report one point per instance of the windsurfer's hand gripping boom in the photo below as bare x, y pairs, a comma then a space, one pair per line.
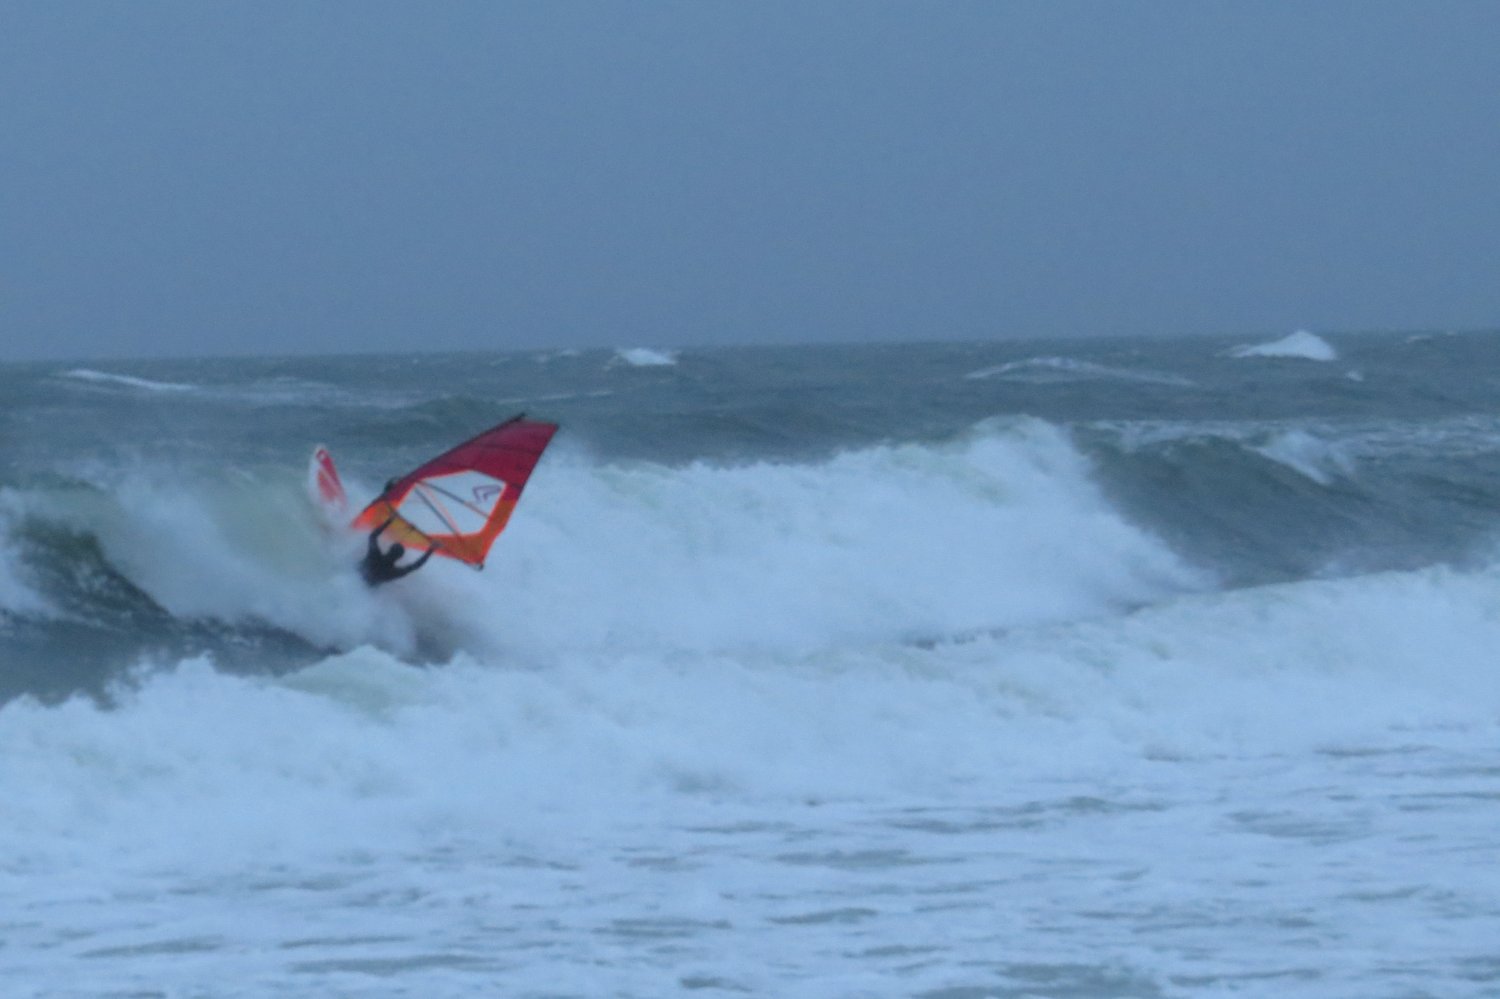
380, 567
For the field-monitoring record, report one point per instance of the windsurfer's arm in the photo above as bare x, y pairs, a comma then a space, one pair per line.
373, 549
409, 569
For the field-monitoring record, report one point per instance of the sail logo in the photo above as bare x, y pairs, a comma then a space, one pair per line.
489, 493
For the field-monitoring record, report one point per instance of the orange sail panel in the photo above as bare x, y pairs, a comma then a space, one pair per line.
460, 501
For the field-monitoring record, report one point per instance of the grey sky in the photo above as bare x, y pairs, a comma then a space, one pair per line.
205, 178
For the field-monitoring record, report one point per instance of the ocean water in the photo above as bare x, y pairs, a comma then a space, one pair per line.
1086, 668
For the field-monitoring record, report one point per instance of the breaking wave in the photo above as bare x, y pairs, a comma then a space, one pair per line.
1004, 527
1301, 345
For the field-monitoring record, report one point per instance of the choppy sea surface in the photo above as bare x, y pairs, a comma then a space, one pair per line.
1084, 668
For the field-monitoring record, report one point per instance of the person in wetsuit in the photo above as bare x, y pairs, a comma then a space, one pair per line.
380, 566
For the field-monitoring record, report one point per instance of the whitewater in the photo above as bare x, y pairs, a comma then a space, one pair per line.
1080, 668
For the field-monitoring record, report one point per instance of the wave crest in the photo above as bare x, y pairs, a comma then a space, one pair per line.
1300, 345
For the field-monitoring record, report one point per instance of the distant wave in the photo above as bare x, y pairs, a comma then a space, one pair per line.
277, 391
1067, 369
548, 356
127, 381
284, 391
646, 357
1301, 344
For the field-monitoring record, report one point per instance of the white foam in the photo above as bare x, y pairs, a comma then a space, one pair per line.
1301, 345
1003, 528
359, 816
646, 357
1299, 666
360, 752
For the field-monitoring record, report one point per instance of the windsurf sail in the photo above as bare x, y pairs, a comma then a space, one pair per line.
460, 501
324, 486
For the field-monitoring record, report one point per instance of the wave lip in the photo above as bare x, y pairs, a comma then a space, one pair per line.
1300, 345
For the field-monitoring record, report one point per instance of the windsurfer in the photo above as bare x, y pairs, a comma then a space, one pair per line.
380, 566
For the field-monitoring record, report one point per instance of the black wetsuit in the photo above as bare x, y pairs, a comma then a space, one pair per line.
380, 566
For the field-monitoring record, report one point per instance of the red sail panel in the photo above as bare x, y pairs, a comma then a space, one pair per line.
461, 500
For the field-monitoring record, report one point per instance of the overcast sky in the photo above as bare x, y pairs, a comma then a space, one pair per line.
271, 177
